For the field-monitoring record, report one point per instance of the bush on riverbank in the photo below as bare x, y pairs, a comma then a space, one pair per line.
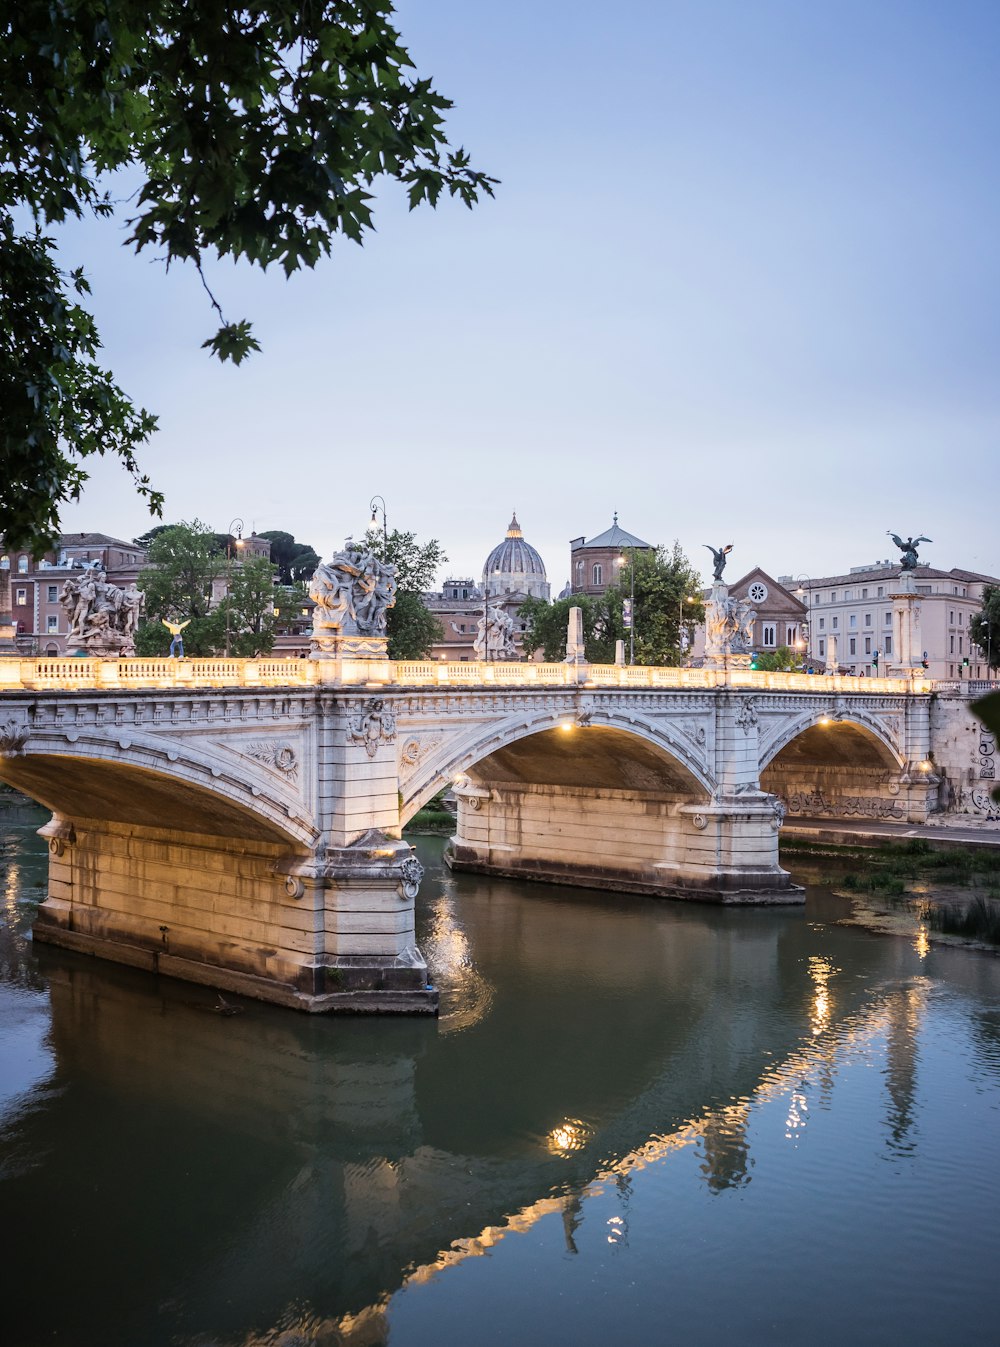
976, 920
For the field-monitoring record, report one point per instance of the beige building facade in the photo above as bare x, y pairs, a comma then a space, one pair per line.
855, 612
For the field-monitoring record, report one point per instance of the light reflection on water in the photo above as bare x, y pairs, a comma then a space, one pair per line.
631, 1114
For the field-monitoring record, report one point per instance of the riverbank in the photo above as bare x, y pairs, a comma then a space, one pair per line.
928, 889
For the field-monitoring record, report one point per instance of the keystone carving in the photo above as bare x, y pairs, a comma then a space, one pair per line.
374, 724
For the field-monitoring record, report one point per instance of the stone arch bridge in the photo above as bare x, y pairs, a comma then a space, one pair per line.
238, 823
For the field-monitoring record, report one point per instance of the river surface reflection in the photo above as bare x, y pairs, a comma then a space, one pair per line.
634, 1120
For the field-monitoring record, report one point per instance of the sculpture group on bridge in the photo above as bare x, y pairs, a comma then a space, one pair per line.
102, 616
495, 636
352, 592
729, 625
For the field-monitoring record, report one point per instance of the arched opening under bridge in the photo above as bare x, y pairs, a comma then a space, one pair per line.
600, 806
838, 768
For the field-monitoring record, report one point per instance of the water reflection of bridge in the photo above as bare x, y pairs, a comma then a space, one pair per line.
275, 1166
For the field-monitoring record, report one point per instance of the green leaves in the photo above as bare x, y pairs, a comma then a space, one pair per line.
233, 341
256, 132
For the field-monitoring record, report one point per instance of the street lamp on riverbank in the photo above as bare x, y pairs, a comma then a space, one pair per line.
620, 562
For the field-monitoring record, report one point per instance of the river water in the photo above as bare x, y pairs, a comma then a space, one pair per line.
635, 1121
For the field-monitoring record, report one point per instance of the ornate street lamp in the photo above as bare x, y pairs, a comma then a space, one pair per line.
619, 562
235, 532
375, 505
804, 594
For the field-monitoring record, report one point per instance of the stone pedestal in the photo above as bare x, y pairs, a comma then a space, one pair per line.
328, 643
907, 644
831, 654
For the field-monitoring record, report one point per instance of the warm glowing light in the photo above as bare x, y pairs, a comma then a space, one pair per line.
821, 970
925, 766
824, 720
922, 944
565, 724
571, 1135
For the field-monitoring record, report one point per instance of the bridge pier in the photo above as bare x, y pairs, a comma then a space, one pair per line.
723, 850
328, 932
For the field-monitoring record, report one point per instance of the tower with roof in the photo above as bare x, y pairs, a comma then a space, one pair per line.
594, 561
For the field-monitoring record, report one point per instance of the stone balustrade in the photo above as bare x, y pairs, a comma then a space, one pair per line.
57, 674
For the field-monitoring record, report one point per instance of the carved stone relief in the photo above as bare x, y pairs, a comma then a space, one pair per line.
374, 724
273, 753
13, 737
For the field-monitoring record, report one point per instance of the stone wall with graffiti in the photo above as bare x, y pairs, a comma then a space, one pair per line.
965, 755
838, 792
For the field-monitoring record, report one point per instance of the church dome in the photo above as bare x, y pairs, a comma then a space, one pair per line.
515, 567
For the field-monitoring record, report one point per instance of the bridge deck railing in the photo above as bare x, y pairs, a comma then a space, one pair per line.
70, 673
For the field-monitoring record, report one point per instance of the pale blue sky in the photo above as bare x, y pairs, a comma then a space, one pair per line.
740, 283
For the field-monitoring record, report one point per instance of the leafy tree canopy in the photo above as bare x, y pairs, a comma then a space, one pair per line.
410, 625
247, 131
295, 561
667, 603
177, 581
248, 616
984, 626
781, 659
546, 627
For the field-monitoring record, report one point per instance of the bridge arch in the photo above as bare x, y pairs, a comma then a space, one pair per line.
841, 737
620, 750
154, 782
845, 764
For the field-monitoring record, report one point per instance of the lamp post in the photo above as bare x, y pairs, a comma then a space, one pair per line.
235, 530
804, 594
619, 562
376, 504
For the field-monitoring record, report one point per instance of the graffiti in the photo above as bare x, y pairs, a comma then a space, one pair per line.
984, 762
861, 806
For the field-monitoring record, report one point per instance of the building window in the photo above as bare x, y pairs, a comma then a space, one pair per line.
52, 623
864, 593
768, 634
791, 634
960, 645
835, 623
951, 617
848, 595
598, 573
854, 646
888, 645
888, 619
22, 597
822, 649
822, 624
881, 591
868, 645
952, 650
833, 596
22, 565
53, 593
868, 619
852, 621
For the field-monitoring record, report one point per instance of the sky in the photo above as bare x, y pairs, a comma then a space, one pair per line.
739, 283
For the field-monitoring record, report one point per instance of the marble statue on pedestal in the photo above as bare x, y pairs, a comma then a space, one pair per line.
495, 637
102, 617
352, 592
